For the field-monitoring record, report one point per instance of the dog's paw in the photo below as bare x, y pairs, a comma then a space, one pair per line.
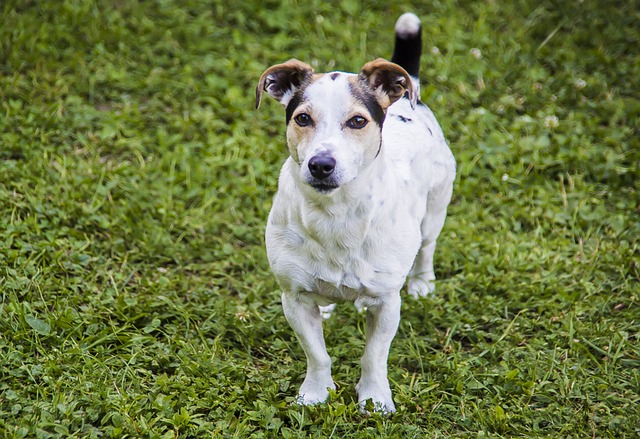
325, 311
419, 287
379, 397
314, 392
311, 399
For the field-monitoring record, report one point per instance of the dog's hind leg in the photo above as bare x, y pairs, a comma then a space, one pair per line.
382, 324
305, 319
422, 277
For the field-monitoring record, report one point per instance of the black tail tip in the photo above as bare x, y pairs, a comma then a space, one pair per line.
408, 26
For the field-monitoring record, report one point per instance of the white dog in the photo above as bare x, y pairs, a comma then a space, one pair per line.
360, 203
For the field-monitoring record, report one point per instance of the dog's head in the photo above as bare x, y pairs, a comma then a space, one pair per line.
334, 120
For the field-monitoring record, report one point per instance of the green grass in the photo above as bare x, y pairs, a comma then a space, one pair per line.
136, 178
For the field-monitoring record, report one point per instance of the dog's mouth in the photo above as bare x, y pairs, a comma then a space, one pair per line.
323, 187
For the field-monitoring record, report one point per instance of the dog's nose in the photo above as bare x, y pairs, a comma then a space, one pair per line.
322, 166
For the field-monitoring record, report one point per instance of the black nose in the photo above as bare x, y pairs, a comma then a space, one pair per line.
322, 166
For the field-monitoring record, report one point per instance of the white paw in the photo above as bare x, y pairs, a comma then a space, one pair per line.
325, 311
380, 396
420, 287
314, 392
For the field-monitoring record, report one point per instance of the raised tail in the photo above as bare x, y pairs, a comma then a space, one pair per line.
408, 46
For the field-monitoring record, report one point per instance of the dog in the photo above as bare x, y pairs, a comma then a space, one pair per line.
360, 203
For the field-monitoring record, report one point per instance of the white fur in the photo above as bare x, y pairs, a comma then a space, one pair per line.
361, 241
407, 24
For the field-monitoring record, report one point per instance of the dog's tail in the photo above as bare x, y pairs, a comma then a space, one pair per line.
408, 46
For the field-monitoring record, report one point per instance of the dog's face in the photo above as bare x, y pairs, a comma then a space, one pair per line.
334, 130
334, 120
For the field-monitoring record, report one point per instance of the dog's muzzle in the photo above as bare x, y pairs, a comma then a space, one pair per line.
321, 168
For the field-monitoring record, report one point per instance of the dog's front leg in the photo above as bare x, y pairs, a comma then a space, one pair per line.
382, 324
304, 317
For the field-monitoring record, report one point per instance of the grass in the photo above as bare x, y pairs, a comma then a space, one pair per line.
136, 178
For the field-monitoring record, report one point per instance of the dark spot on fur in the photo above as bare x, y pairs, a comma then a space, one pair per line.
379, 148
334, 76
403, 119
430, 132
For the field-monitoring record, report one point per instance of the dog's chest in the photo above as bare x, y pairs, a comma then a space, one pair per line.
341, 257
345, 266
345, 255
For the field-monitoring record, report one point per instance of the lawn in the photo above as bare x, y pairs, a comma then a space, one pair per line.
136, 178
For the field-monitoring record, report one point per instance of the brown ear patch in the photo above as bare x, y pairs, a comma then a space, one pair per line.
389, 81
282, 80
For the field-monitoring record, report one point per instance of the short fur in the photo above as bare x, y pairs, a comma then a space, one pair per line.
361, 201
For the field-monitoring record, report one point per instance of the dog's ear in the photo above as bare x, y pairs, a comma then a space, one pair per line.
389, 81
282, 80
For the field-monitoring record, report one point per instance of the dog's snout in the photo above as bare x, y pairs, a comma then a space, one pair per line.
322, 166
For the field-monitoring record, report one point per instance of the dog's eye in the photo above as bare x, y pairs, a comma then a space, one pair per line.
303, 119
357, 122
